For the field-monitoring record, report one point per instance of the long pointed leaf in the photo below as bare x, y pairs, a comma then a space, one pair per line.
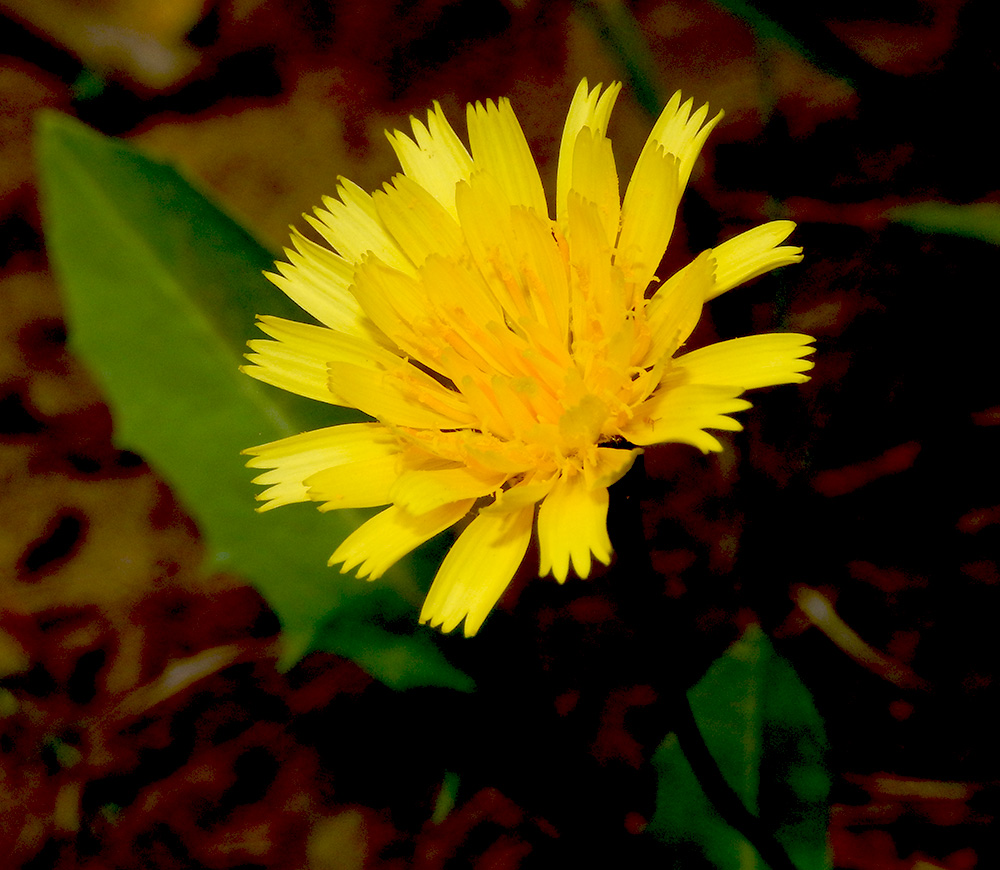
761, 727
161, 290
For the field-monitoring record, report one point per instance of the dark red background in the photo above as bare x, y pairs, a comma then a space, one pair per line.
876, 483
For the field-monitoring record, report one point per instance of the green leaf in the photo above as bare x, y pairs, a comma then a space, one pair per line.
760, 725
447, 794
161, 289
978, 220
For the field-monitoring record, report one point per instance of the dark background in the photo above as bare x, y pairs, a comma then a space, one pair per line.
873, 486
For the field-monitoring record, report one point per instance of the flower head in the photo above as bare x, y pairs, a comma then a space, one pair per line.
513, 364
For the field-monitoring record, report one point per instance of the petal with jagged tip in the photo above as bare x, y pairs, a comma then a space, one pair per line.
352, 227
595, 178
296, 361
572, 526
751, 254
589, 109
362, 484
751, 362
299, 357
500, 149
477, 569
683, 412
661, 173
681, 130
435, 157
319, 281
296, 461
383, 540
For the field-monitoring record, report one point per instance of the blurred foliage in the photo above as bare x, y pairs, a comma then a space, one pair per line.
161, 289
145, 39
767, 27
615, 25
979, 220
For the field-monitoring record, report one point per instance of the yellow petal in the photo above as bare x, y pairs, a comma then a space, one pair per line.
270, 364
434, 317
365, 480
750, 362
611, 465
460, 292
675, 308
477, 569
597, 299
589, 109
396, 303
658, 181
681, 130
530, 492
319, 281
468, 318
299, 357
353, 228
515, 252
500, 149
296, 361
400, 396
417, 222
425, 489
572, 525
383, 540
362, 484
484, 214
648, 215
595, 178
295, 461
437, 160
319, 341
358, 374
751, 254
682, 413
543, 270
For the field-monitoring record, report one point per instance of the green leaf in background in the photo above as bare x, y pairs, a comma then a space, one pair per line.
787, 25
978, 220
765, 26
760, 725
161, 289
615, 24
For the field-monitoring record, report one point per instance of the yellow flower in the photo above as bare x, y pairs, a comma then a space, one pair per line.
512, 364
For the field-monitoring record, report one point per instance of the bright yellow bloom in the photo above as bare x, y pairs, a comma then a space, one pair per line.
512, 364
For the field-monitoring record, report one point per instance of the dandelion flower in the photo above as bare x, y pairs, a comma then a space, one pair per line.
513, 365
